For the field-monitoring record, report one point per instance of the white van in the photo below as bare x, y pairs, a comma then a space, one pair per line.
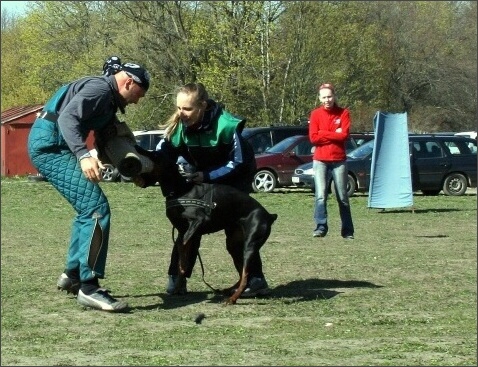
468, 134
148, 139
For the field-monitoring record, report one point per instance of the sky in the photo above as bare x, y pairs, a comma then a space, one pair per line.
14, 7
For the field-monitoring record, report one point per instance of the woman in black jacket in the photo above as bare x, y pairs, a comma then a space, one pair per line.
209, 139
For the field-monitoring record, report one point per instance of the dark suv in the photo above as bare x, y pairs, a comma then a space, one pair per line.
437, 162
445, 163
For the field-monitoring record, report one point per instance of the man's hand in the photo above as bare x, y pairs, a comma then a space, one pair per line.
91, 168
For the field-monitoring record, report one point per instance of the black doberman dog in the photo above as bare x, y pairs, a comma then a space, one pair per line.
198, 209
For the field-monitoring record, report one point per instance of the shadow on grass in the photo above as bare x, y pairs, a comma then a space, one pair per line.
313, 289
171, 301
416, 211
295, 291
433, 236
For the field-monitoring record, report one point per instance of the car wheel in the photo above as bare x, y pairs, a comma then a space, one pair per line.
455, 185
109, 173
264, 181
351, 185
36, 178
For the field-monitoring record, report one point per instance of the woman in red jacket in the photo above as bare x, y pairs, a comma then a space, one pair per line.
329, 127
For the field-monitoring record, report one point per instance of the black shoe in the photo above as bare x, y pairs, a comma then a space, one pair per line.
70, 285
348, 237
320, 231
256, 287
172, 285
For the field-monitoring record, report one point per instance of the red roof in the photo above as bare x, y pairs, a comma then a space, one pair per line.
17, 112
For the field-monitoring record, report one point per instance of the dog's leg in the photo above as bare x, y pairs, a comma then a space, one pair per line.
188, 252
181, 280
184, 252
250, 247
242, 285
256, 232
235, 248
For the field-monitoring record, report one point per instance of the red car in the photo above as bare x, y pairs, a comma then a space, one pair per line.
276, 165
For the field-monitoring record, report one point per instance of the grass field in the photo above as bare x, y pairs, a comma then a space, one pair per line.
402, 293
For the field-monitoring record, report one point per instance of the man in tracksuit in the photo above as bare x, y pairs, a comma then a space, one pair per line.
57, 148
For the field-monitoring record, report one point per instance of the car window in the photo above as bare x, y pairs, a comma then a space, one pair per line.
472, 146
362, 151
303, 148
461, 147
260, 142
282, 145
452, 147
361, 138
350, 145
426, 149
417, 150
263, 138
156, 140
148, 141
433, 149
143, 141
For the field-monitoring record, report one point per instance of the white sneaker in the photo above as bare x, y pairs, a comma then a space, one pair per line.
101, 300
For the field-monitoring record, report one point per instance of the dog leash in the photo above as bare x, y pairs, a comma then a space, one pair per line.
215, 290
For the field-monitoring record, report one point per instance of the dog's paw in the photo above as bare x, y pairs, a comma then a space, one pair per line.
230, 301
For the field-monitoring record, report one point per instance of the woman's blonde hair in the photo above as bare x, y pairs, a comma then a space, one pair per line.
200, 94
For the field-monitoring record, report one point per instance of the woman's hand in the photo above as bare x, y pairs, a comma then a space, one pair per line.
196, 177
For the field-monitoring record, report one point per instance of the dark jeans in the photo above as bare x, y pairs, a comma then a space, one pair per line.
322, 173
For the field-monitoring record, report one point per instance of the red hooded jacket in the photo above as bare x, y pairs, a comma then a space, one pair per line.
329, 145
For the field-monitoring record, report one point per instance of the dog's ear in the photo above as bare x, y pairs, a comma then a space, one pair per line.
193, 226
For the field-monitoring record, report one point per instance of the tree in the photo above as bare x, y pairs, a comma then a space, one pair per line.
262, 59
15, 87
